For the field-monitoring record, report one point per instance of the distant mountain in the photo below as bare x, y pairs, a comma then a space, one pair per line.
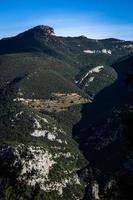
56, 92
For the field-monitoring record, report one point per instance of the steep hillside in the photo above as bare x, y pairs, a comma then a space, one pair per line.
39, 159
104, 135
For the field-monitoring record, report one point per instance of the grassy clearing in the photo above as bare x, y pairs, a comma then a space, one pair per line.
59, 102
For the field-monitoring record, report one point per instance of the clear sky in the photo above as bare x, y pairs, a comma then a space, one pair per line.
92, 18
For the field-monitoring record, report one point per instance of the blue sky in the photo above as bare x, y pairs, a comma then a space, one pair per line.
92, 18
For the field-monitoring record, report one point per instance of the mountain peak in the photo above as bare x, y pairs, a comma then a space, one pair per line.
44, 29
39, 31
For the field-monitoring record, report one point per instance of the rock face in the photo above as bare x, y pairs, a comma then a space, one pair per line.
43, 30
51, 164
95, 191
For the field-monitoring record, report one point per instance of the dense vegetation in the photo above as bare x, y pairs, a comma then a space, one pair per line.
34, 65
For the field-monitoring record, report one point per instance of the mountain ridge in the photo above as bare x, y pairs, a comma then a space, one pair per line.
47, 28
